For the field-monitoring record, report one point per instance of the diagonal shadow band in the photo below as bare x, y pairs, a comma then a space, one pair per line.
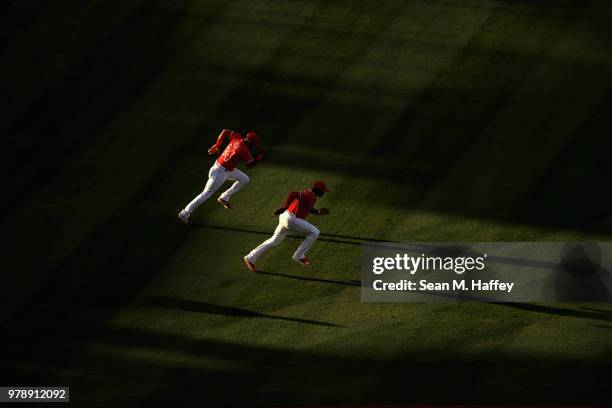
210, 308
304, 278
336, 238
586, 313
596, 310
358, 241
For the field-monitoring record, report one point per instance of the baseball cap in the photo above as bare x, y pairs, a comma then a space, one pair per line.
253, 138
320, 185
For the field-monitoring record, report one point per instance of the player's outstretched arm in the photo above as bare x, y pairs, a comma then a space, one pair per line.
214, 149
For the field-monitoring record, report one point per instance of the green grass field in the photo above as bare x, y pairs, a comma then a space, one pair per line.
441, 120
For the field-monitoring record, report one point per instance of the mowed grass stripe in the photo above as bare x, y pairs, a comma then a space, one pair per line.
457, 115
528, 131
359, 122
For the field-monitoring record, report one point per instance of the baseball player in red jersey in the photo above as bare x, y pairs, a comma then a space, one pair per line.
293, 218
238, 149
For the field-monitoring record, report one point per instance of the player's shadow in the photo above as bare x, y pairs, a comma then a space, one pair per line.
210, 308
309, 279
335, 238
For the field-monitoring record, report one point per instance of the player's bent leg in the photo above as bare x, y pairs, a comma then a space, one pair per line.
240, 180
216, 177
312, 233
300, 253
279, 235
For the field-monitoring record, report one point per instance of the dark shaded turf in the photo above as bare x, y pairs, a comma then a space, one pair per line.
431, 121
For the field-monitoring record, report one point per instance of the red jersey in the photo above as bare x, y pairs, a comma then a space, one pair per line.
235, 151
300, 203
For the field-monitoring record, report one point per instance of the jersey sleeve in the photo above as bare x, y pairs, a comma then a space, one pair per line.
225, 133
292, 196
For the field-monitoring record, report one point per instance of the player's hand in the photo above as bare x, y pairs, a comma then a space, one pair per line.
213, 150
323, 211
279, 211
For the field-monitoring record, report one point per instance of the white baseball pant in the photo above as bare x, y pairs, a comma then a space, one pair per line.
216, 177
288, 222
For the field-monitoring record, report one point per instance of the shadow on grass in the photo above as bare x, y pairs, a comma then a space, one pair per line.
223, 373
209, 308
308, 279
335, 238
61, 122
585, 313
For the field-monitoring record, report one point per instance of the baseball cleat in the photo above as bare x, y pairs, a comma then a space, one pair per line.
303, 261
249, 264
184, 218
225, 203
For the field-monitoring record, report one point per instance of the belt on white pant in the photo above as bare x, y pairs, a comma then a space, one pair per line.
218, 166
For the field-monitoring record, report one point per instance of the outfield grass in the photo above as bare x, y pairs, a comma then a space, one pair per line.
431, 121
